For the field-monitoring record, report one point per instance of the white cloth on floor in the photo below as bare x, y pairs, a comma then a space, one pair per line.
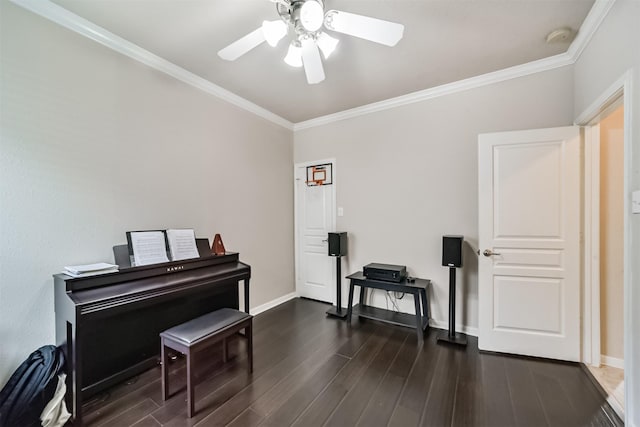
55, 414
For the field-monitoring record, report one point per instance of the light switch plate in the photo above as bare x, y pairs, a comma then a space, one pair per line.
635, 202
340, 211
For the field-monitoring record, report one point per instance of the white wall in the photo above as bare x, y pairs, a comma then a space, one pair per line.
408, 175
611, 52
94, 144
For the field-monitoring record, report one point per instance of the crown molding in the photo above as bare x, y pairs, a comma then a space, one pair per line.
73, 22
67, 19
538, 66
592, 22
589, 26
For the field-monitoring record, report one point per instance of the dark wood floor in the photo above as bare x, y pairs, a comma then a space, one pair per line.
311, 370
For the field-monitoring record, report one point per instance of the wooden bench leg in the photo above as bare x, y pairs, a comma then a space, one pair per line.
165, 370
190, 384
249, 332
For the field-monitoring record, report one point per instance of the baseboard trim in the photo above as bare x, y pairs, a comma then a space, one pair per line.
273, 303
469, 330
614, 362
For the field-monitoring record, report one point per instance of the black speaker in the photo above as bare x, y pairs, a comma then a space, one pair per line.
338, 243
452, 251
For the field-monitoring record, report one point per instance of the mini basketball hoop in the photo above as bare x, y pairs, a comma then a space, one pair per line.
319, 175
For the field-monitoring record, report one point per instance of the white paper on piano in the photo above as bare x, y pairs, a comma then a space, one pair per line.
89, 268
90, 273
182, 244
148, 247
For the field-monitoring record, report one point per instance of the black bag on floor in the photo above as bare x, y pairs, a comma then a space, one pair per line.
30, 388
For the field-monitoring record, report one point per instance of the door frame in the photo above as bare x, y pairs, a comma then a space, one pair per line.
621, 89
296, 198
591, 348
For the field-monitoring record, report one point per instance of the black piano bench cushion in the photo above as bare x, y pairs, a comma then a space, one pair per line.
200, 333
201, 328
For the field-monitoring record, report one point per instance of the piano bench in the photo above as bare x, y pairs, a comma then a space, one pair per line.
200, 333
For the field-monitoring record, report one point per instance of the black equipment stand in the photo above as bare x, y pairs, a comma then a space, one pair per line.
337, 310
451, 336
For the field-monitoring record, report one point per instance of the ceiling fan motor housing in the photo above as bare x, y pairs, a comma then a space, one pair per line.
305, 16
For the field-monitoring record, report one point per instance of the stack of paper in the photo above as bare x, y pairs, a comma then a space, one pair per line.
90, 269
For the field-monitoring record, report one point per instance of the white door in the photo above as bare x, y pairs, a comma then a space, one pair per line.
314, 220
529, 237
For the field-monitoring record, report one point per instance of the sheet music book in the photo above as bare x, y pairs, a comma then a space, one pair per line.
182, 244
148, 247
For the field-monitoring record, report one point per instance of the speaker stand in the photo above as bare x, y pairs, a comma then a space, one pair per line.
337, 310
451, 336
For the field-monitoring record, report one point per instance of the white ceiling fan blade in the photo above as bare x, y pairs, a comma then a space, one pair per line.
243, 45
372, 29
312, 63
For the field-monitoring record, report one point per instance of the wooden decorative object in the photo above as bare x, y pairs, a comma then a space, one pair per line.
218, 247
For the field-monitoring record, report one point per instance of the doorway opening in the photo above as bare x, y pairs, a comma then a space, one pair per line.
596, 343
607, 250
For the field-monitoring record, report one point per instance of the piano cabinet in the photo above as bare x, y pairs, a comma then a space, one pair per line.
108, 326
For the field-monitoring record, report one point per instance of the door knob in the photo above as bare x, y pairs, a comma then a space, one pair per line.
325, 240
489, 252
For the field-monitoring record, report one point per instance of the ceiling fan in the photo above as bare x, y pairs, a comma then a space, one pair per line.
305, 20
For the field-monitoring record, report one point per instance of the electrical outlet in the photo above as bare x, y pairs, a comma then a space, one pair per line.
635, 202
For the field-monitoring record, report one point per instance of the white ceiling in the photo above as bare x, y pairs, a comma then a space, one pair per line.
444, 41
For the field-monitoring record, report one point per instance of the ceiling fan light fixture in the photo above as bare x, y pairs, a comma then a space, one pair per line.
327, 44
311, 15
274, 31
294, 55
304, 20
